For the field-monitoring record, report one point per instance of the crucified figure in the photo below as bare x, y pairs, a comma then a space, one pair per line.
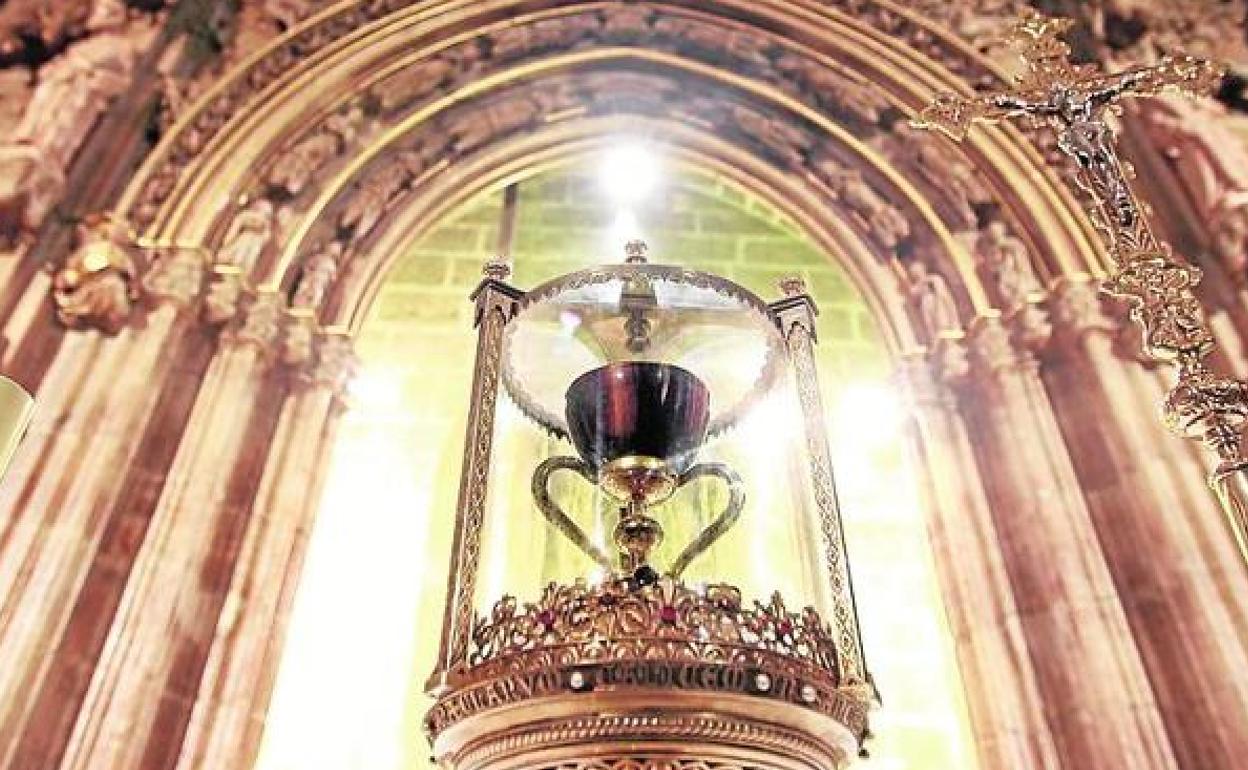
1073, 99
1077, 110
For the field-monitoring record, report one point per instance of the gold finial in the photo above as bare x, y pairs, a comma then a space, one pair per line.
793, 285
635, 252
497, 268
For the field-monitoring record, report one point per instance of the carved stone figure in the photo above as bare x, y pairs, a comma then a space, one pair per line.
96, 287
492, 121
941, 170
413, 83
979, 22
887, 226
564, 32
72, 92
74, 88
29, 28
295, 168
744, 48
625, 22
1004, 260
1211, 164
782, 139
248, 236
932, 300
366, 207
835, 89
15, 85
318, 273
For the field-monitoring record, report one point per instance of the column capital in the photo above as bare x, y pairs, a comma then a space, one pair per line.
1077, 308
260, 322
992, 350
919, 381
334, 363
176, 275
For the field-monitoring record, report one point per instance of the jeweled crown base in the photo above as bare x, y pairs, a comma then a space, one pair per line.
621, 675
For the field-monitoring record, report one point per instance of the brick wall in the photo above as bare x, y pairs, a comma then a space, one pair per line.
564, 221
383, 531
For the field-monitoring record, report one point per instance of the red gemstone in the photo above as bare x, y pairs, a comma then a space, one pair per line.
785, 628
607, 600
668, 614
546, 618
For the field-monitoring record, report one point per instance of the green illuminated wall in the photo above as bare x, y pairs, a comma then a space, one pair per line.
350, 693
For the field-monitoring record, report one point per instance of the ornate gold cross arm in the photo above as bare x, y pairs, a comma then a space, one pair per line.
1075, 100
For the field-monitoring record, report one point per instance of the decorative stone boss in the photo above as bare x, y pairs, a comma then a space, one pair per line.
661, 456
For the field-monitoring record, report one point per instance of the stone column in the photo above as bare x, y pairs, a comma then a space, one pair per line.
1007, 713
229, 715
1193, 651
138, 704
101, 406
1099, 704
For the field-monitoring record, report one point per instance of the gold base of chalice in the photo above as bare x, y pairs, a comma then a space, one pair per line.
616, 676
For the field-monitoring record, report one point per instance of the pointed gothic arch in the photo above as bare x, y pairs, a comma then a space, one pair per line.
1058, 543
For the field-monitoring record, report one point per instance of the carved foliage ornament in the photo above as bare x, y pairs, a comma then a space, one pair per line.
622, 24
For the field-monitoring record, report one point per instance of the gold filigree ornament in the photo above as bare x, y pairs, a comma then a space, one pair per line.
1076, 100
589, 647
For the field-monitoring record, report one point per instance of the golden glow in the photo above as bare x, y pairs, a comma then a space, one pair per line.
349, 693
908, 642
624, 228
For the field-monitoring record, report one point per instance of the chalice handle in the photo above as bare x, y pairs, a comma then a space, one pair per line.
722, 523
555, 515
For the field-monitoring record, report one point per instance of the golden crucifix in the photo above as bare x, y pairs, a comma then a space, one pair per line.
1076, 101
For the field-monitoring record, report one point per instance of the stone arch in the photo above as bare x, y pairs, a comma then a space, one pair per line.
809, 89
1034, 496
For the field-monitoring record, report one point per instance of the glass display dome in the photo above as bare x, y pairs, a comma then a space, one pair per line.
647, 496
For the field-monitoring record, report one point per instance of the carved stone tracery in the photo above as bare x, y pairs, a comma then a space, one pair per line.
616, 24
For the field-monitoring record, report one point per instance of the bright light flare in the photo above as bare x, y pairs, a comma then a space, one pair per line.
629, 173
376, 391
867, 415
625, 228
